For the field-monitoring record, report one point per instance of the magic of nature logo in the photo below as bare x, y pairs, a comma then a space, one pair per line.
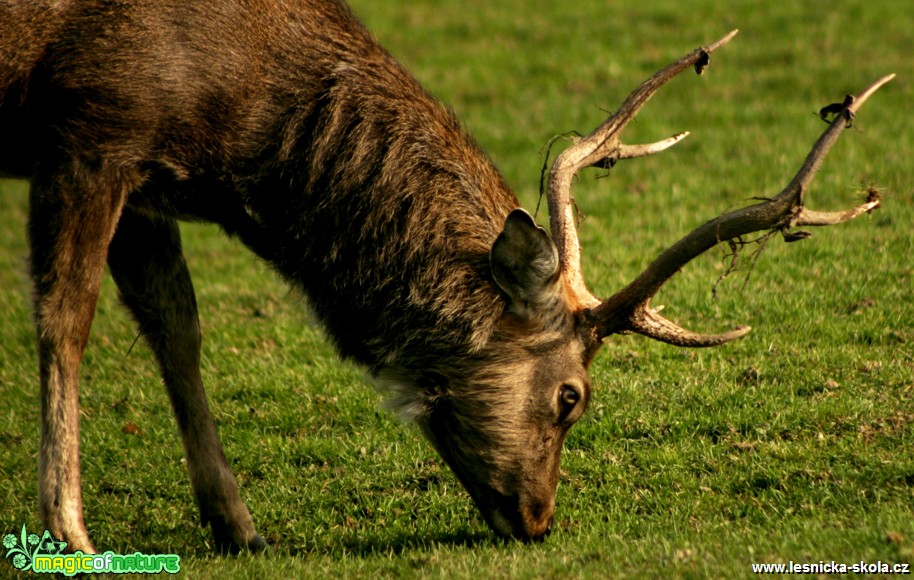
44, 554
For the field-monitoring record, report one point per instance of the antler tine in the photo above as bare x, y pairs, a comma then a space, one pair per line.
813, 162
629, 309
602, 148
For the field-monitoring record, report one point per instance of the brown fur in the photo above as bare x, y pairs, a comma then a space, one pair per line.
286, 124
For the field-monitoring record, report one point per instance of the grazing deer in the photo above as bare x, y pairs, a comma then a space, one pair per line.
289, 126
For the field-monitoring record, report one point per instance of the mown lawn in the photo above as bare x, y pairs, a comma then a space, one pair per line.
793, 444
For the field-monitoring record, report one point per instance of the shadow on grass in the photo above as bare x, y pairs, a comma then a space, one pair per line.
364, 543
358, 544
405, 541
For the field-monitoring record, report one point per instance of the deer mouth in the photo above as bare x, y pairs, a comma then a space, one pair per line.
511, 517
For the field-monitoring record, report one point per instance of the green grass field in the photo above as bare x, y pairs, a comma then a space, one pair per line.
793, 444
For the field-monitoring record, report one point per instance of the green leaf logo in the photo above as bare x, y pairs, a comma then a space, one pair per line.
24, 548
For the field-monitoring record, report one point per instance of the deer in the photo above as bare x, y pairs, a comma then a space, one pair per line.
285, 123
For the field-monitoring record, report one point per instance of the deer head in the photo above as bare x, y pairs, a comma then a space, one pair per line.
503, 433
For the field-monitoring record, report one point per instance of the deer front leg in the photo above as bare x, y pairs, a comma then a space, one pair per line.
148, 266
72, 216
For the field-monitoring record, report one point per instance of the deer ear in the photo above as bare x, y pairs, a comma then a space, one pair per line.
525, 262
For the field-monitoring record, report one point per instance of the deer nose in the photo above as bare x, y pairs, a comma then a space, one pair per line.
524, 519
536, 521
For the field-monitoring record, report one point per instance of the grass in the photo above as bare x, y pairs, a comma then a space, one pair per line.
792, 444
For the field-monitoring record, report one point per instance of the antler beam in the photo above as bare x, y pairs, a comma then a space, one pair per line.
629, 309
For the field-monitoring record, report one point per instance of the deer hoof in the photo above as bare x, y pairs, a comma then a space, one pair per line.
231, 540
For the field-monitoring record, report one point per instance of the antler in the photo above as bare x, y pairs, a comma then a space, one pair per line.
629, 309
603, 148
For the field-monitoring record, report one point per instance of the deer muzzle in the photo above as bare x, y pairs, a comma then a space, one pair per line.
528, 520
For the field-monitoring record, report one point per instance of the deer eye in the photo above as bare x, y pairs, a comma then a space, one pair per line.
568, 397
